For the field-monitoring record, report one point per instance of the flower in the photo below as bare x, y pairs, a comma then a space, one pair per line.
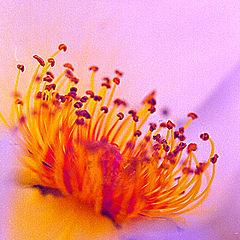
199, 51
84, 148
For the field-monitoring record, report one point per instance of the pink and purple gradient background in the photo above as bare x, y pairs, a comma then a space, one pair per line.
188, 51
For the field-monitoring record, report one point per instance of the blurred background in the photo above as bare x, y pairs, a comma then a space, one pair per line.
188, 51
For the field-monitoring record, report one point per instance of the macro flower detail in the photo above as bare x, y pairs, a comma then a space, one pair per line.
90, 146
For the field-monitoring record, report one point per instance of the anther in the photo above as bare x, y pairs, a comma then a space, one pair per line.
40, 60
157, 137
73, 89
152, 109
47, 79
83, 99
120, 74
120, 115
204, 136
39, 95
19, 102
153, 127
181, 130
214, 159
48, 73
22, 119
50, 86
69, 66
93, 68
74, 80
69, 74
63, 47
132, 112
138, 133
105, 109
116, 80
135, 118
152, 101
78, 105
181, 137
20, 67
176, 134
193, 115
191, 147
79, 121
170, 124
83, 113
117, 101
157, 146
106, 85
163, 125
97, 98
147, 138
106, 79
51, 61
90, 93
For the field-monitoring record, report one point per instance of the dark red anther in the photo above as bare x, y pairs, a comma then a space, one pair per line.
153, 127
93, 68
39, 95
152, 101
63, 47
74, 80
106, 79
48, 73
78, 105
157, 147
73, 89
120, 74
83, 113
138, 133
152, 109
166, 147
204, 136
83, 99
105, 109
51, 61
191, 147
80, 121
116, 80
19, 102
147, 138
214, 158
170, 124
200, 168
176, 134
181, 130
97, 98
40, 60
117, 101
182, 145
106, 85
157, 137
20, 67
69, 66
50, 87
135, 118
69, 74
47, 79
132, 112
181, 137
22, 119
90, 93
193, 115
163, 125
120, 115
